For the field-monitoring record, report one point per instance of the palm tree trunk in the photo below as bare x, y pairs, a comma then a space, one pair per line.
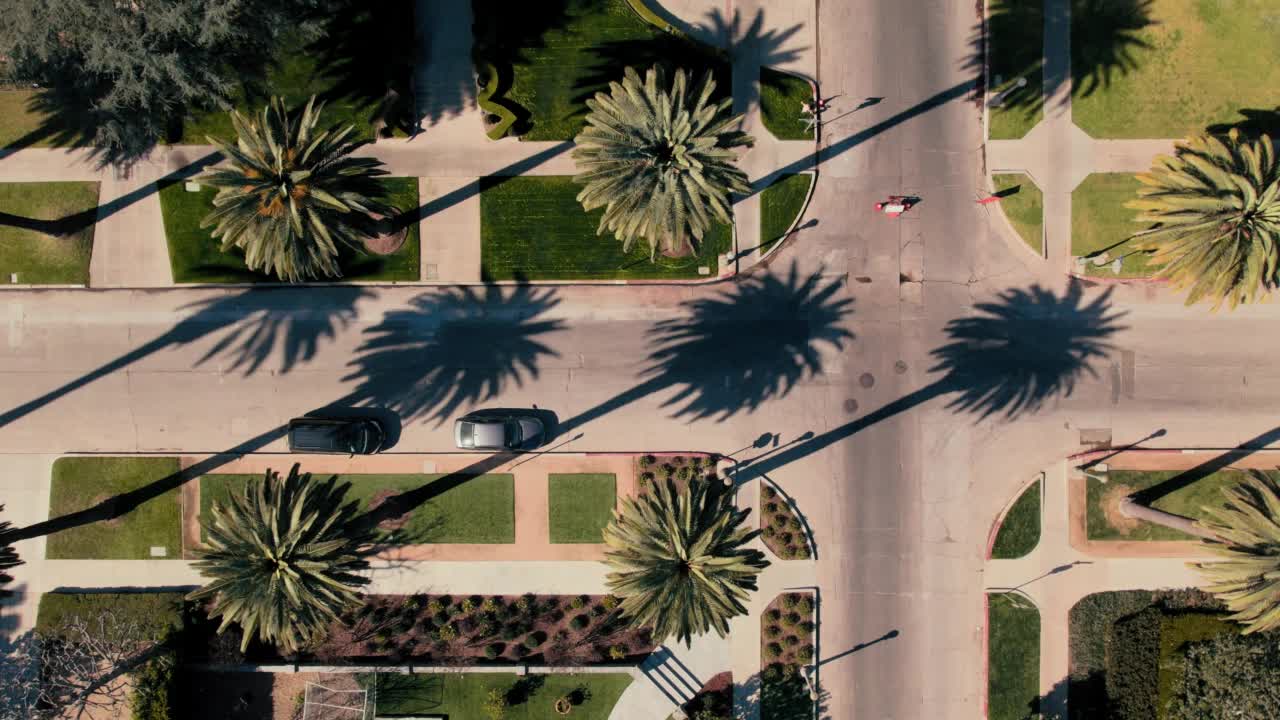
1131, 508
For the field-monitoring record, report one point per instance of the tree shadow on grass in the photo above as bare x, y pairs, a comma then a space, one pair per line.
1256, 122
1027, 348
453, 348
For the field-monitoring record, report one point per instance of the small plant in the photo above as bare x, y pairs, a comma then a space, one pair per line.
769, 531
807, 627
791, 670
447, 632
580, 622
435, 607
610, 602
579, 602
790, 601
617, 652
773, 672
647, 460
773, 614
779, 521
534, 639
771, 507
484, 629
406, 623
411, 603
561, 635
493, 650
773, 650
805, 652
805, 605
383, 637
685, 474
791, 641
441, 617
772, 631
495, 705
794, 523
489, 605
598, 610
466, 606
792, 618
524, 602
770, 493
802, 552
785, 538
646, 477
668, 469
511, 631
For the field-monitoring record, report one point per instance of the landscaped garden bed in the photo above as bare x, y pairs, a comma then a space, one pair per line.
1019, 531
196, 257
534, 228
1023, 204
713, 701
1130, 651
35, 248
1105, 521
156, 614
1014, 52
1171, 71
1100, 222
479, 510
79, 483
787, 634
783, 103
466, 696
560, 55
781, 528
680, 468
1013, 657
780, 206
470, 629
580, 505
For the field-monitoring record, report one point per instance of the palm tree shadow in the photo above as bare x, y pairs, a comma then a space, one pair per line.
786, 698
748, 345
453, 348
1256, 122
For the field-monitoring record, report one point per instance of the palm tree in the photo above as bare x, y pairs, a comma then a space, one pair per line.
292, 197
283, 559
1247, 530
1216, 209
660, 161
678, 559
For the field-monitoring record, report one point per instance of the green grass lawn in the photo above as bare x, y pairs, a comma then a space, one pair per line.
156, 613
82, 482
1013, 657
533, 227
1099, 220
461, 696
480, 510
1186, 501
560, 54
1020, 530
196, 257
39, 257
1024, 207
580, 505
22, 125
782, 103
1195, 64
780, 205
1015, 49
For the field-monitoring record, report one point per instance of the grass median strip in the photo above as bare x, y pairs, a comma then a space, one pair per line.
47, 252
196, 257
780, 205
580, 505
1019, 531
1101, 223
1013, 657
1023, 204
80, 483
481, 509
534, 228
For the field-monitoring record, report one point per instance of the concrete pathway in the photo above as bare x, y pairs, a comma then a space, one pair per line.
1056, 153
1055, 576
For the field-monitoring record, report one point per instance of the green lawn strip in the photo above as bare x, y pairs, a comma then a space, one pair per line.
561, 56
1015, 49
534, 228
82, 482
1024, 207
156, 613
780, 206
782, 103
1099, 220
1020, 530
479, 510
1186, 501
461, 696
372, 46
23, 125
1176, 632
1195, 64
196, 257
1013, 657
38, 257
580, 505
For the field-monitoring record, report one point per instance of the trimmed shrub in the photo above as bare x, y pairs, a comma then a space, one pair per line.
773, 650
580, 622
617, 652
805, 605
447, 632
794, 523
805, 652
493, 650
801, 552
534, 639
769, 531
772, 631
791, 641
435, 607
1133, 662
610, 602
771, 507
773, 614
792, 618
647, 460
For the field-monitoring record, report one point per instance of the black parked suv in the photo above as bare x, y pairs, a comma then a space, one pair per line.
341, 436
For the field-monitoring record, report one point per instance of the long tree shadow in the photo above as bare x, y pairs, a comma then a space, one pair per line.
453, 348
368, 51
1106, 40
257, 321
1220, 462
1256, 122
1016, 354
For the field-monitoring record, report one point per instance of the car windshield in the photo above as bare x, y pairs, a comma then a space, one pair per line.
513, 433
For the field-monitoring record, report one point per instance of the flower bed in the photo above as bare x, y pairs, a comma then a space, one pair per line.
787, 630
681, 468
463, 630
780, 526
713, 701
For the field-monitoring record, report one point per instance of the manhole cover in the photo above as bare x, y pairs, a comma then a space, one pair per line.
900, 367
866, 380
851, 405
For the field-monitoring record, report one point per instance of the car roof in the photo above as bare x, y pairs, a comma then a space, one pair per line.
489, 432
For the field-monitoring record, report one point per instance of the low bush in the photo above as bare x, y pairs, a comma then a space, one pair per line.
805, 652
493, 650
580, 622
773, 650
1133, 662
617, 652
154, 687
1230, 677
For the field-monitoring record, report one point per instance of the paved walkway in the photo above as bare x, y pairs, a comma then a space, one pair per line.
1056, 153
1056, 576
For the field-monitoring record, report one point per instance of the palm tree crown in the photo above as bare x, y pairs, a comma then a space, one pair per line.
283, 558
292, 197
660, 161
1216, 205
679, 561
1248, 537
